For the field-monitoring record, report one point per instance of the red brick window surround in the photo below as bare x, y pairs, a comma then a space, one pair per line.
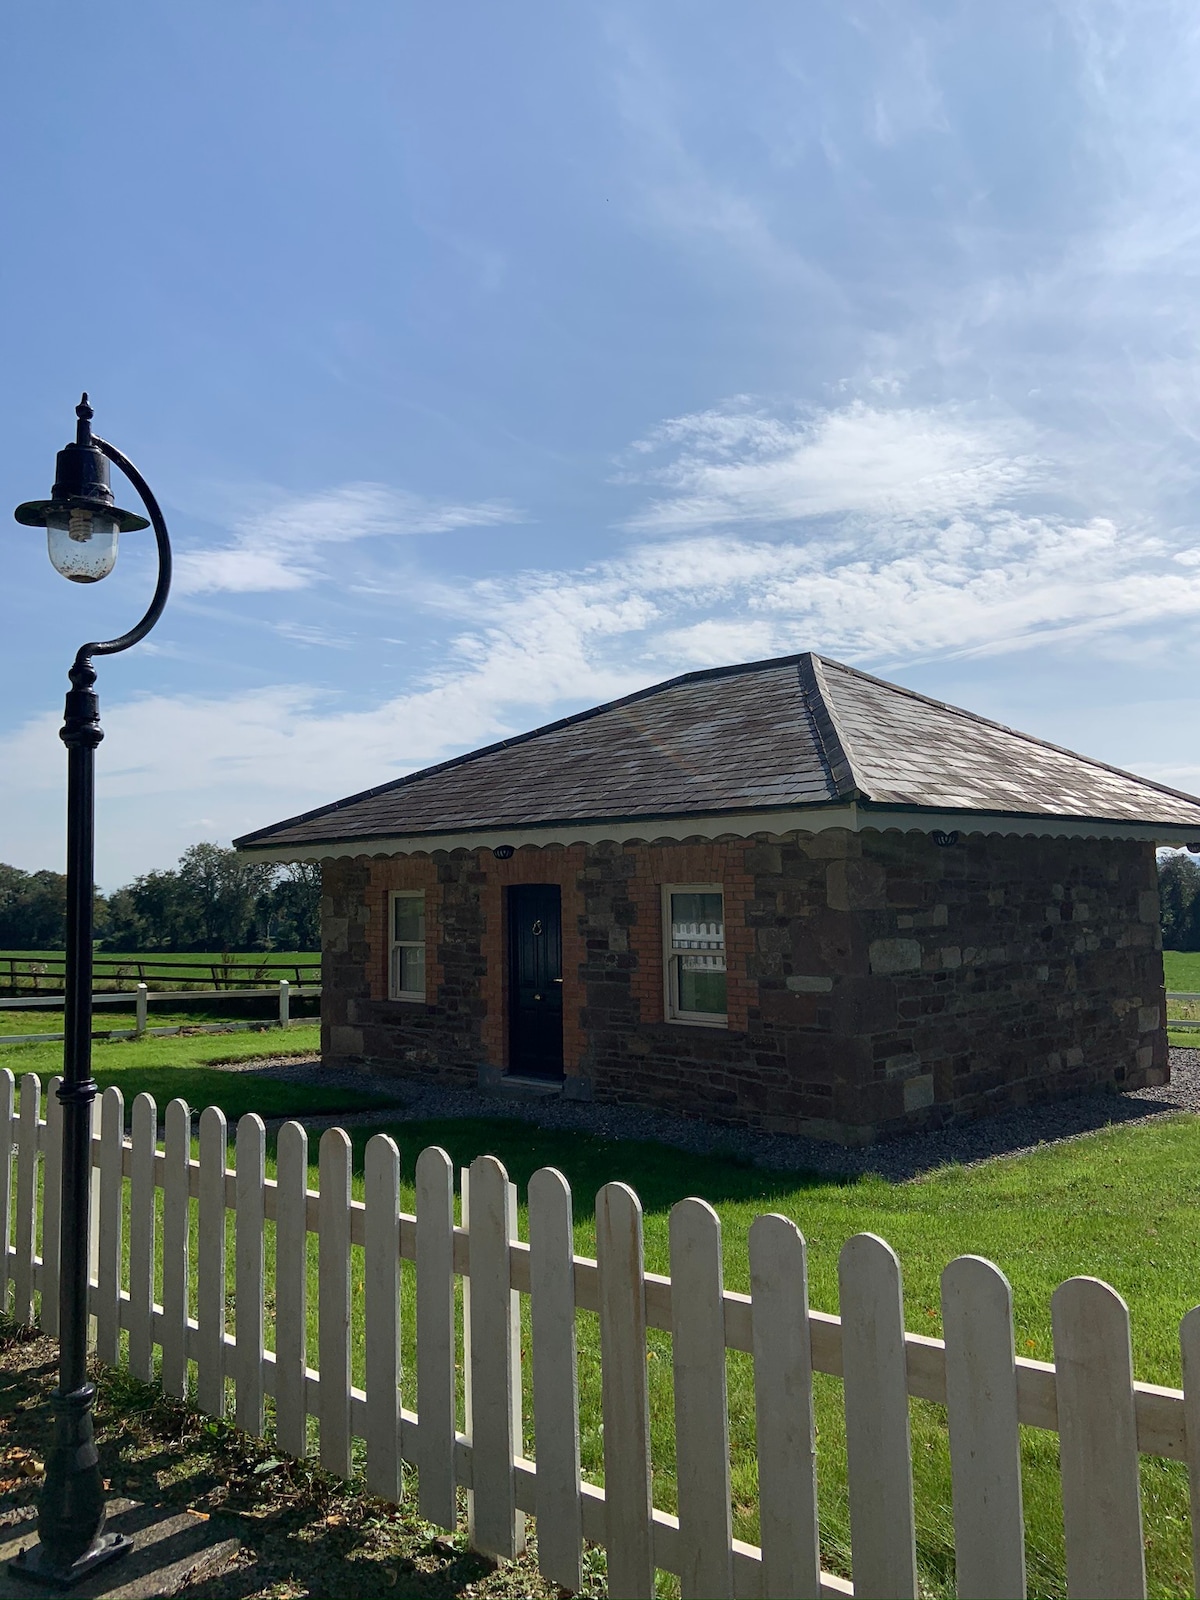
387, 876
407, 943
722, 864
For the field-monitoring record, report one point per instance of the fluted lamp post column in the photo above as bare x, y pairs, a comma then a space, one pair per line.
82, 526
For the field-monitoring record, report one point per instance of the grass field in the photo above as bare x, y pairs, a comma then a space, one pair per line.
182, 1068
1120, 1204
1181, 969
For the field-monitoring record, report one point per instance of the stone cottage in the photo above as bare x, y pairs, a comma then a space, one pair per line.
785, 895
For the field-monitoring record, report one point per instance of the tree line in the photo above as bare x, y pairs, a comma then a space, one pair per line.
214, 899
1179, 897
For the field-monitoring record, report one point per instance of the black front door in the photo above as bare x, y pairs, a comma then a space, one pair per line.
535, 980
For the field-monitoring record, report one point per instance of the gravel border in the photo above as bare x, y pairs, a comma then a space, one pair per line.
910, 1156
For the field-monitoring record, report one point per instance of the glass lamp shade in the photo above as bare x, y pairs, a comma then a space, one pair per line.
82, 543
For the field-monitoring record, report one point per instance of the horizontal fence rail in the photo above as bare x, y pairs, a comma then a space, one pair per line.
283, 992
35, 973
1104, 1419
1182, 1024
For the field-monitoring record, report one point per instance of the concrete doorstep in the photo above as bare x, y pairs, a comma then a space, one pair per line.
170, 1549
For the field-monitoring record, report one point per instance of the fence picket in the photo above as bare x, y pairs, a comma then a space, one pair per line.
1097, 1429
625, 1400
176, 1156
878, 1443
51, 1207
381, 1315
93, 1223
112, 1196
701, 1417
1189, 1344
210, 1264
783, 1405
333, 1295
985, 1447
249, 1275
141, 1238
27, 1159
497, 1527
555, 1379
7, 1124
291, 1289
435, 1337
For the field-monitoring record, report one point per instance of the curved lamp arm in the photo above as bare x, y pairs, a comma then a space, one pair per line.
111, 647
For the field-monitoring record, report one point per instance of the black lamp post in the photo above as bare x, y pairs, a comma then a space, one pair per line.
82, 525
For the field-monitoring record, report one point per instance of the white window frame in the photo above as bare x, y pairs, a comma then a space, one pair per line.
395, 944
671, 1009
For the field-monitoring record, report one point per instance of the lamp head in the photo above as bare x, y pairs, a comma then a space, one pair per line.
80, 518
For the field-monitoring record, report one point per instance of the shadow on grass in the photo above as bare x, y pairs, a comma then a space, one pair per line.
661, 1174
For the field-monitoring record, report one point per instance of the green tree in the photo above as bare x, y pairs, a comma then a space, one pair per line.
290, 910
33, 909
1179, 897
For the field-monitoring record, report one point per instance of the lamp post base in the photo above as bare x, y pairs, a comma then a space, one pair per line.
34, 1564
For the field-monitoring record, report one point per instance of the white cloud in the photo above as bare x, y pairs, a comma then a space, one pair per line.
741, 465
279, 547
917, 546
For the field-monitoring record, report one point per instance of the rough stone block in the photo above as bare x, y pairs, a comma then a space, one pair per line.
1149, 908
855, 886
918, 1092
802, 984
345, 1041
895, 955
1147, 1018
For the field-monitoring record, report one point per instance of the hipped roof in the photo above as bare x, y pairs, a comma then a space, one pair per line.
794, 734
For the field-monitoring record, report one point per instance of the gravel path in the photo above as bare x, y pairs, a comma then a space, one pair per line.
911, 1156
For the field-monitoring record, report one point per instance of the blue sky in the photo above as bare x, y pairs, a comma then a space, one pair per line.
493, 361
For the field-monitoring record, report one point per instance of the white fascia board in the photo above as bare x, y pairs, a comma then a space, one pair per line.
800, 819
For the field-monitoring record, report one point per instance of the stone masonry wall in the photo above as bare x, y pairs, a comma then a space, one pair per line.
877, 981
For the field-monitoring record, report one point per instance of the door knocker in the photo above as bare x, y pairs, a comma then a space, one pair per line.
536, 930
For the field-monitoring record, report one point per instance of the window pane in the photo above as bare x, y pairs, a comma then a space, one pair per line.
702, 984
410, 916
698, 922
411, 962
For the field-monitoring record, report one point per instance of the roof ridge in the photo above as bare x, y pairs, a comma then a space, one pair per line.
1016, 733
831, 740
517, 739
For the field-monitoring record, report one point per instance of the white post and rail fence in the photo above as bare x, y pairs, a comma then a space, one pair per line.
143, 994
144, 1288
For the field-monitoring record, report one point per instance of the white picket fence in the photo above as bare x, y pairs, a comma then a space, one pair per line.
1103, 1418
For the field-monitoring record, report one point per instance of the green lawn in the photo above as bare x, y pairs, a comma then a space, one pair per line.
182, 1068
1182, 970
1120, 1204
45, 1019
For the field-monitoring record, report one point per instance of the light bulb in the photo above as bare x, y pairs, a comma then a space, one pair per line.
82, 544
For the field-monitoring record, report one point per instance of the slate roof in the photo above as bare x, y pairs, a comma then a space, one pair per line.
801, 731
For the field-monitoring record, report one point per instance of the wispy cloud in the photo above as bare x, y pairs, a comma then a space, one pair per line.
881, 536
738, 465
280, 547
